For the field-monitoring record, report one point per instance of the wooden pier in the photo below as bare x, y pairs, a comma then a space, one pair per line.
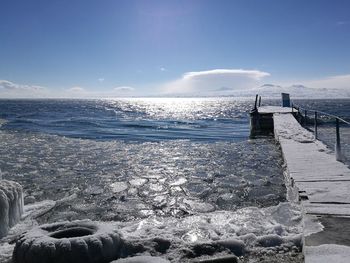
322, 185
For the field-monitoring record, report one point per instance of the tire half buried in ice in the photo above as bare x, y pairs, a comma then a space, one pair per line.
68, 242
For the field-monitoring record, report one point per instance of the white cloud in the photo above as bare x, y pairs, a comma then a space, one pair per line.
209, 81
76, 89
162, 69
333, 82
101, 79
8, 85
255, 74
10, 89
124, 89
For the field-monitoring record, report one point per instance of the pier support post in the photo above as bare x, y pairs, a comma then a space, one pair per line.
256, 101
315, 127
338, 153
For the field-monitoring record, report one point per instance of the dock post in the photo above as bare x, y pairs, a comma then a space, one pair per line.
315, 129
285, 100
338, 153
259, 101
256, 101
299, 115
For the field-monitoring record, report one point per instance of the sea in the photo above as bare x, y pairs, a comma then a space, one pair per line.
183, 168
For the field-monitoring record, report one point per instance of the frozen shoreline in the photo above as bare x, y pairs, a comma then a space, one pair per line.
247, 232
200, 198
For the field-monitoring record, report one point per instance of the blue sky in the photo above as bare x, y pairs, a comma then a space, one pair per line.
143, 47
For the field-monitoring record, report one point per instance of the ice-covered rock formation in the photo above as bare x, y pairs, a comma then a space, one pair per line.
81, 241
11, 205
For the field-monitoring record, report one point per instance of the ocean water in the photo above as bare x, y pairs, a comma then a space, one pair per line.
157, 155
131, 119
182, 169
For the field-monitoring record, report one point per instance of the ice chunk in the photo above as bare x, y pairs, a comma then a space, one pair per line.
142, 259
234, 245
178, 181
94, 190
271, 240
138, 182
11, 205
118, 187
199, 206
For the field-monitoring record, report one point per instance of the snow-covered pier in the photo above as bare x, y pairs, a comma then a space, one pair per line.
322, 185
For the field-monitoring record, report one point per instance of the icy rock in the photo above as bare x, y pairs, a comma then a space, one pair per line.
227, 259
11, 205
29, 199
162, 244
296, 241
235, 246
141, 259
270, 240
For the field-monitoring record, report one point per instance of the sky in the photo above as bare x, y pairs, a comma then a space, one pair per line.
91, 48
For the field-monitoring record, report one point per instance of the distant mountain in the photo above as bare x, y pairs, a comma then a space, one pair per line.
270, 90
270, 86
298, 86
224, 89
296, 91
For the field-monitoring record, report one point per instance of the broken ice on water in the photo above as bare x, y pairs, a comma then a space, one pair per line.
184, 191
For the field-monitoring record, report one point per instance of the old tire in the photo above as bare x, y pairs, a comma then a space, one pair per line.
68, 242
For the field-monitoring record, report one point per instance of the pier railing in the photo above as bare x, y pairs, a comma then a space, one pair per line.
312, 119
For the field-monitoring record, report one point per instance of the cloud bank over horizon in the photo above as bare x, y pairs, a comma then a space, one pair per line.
209, 81
10, 89
215, 82
13, 90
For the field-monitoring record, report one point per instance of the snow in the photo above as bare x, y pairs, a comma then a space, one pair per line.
322, 209
311, 225
141, 259
241, 230
323, 184
275, 228
310, 164
327, 253
11, 205
274, 109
